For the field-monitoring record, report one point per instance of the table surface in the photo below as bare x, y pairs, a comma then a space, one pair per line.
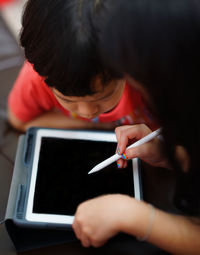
157, 183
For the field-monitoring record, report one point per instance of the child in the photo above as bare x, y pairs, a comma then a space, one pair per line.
64, 83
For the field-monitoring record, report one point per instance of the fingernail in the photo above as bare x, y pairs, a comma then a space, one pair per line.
124, 156
118, 165
118, 151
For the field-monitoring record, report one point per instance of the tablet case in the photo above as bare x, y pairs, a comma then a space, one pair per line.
28, 238
21, 181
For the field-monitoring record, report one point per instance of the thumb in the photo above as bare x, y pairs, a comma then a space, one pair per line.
137, 152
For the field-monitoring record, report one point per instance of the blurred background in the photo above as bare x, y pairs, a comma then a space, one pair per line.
10, 11
11, 59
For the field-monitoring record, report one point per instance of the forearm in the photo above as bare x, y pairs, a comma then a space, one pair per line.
55, 119
177, 234
173, 233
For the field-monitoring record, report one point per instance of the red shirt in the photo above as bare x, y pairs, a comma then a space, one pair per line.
30, 97
2, 2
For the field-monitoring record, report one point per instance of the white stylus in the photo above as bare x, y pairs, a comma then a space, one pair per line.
116, 156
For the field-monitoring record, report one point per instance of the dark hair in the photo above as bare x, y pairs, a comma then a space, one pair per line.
157, 43
60, 40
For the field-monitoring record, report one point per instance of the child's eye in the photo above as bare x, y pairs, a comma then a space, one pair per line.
68, 101
105, 98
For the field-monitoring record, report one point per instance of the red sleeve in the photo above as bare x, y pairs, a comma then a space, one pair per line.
30, 96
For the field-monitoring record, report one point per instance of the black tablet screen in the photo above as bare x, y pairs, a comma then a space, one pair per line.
63, 181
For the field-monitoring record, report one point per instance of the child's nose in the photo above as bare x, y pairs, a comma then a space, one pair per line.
87, 110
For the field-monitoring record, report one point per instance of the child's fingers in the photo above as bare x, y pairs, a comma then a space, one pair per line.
141, 151
119, 129
121, 163
125, 163
122, 138
126, 133
76, 229
80, 234
98, 243
85, 240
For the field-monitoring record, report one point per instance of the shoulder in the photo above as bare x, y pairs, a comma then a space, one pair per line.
129, 87
30, 80
132, 93
28, 72
29, 85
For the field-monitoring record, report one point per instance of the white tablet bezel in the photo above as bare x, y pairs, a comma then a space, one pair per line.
67, 134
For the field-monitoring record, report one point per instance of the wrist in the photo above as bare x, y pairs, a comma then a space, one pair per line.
131, 215
138, 220
145, 237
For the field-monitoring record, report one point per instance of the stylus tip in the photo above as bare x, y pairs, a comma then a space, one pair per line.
94, 169
91, 171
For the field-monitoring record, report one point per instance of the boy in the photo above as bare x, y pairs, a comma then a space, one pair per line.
64, 83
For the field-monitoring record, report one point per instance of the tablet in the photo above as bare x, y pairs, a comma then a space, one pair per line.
59, 179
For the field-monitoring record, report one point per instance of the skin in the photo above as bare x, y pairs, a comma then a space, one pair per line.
90, 107
104, 100
101, 218
150, 152
98, 219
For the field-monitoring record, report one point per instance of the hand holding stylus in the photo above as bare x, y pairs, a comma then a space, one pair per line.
152, 152
115, 157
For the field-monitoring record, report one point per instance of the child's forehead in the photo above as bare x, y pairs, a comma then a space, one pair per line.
101, 92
